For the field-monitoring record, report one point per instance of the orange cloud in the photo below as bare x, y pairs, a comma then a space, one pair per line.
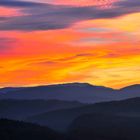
103, 52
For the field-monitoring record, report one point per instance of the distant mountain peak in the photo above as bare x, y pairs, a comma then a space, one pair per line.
131, 87
75, 84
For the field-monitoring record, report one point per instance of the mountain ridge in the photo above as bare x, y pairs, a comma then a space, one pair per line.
81, 92
66, 84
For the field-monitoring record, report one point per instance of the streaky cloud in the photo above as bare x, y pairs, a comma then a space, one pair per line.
41, 16
16, 3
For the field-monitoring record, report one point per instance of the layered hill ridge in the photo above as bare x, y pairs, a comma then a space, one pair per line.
62, 119
18, 130
82, 92
21, 109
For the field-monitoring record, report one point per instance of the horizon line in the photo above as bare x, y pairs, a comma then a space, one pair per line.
65, 83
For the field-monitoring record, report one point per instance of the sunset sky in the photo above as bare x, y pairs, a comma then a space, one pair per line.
61, 41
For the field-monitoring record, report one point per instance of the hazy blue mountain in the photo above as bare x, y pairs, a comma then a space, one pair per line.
81, 92
43, 105
61, 119
8, 89
130, 91
20, 109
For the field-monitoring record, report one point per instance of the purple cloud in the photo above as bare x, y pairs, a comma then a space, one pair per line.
41, 16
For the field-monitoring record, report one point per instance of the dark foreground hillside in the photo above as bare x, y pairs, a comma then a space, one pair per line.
86, 127
15, 130
105, 127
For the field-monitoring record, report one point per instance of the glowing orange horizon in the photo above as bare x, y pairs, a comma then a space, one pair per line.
100, 52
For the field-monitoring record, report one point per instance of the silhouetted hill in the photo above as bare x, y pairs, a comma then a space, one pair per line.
20, 109
15, 130
130, 91
81, 92
8, 89
61, 119
105, 127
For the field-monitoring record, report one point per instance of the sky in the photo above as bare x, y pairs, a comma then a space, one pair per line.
63, 41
